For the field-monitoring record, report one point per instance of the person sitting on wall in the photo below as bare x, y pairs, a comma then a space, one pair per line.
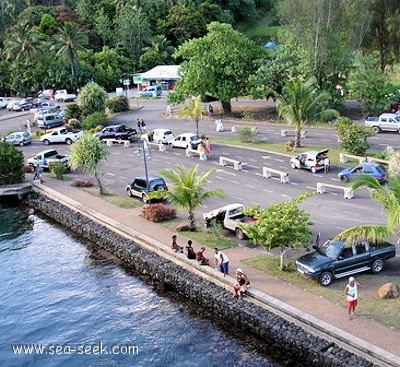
191, 254
174, 245
241, 285
201, 259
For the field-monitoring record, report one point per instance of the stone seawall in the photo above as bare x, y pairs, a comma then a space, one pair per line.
290, 339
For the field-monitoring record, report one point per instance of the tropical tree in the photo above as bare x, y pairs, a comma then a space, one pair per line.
193, 110
282, 225
352, 138
68, 42
11, 164
188, 190
92, 99
218, 64
88, 153
389, 198
301, 104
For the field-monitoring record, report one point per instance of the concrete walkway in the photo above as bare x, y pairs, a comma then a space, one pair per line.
364, 335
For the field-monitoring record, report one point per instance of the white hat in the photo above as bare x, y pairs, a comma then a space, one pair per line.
239, 271
351, 279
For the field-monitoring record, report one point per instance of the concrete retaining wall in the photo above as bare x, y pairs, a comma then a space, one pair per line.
286, 337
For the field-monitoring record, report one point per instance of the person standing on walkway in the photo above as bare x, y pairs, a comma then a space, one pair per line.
351, 291
139, 127
242, 282
326, 164
221, 262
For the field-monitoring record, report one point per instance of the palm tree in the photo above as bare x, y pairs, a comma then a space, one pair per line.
187, 190
68, 42
161, 45
87, 153
300, 104
389, 198
193, 110
22, 45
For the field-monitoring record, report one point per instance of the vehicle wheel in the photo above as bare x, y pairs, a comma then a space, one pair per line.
46, 142
21, 144
293, 165
392, 110
129, 191
22, 109
375, 129
377, 266
344, 179
159, 142
326, 278
170, 145
118, 138
240, 234
68, 141
158, 188
144, 198
313, 170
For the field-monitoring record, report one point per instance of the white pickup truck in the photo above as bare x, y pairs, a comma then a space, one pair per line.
61, 135
229, 216
46, 157
63, 96
385, 122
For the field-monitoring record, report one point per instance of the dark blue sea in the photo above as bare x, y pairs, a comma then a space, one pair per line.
64, 304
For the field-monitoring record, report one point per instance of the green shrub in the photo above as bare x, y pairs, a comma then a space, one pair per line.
93, 120
73, 111
11, 164
353, 138
58, 169
73, 124
158, 212
247, 135
117, 104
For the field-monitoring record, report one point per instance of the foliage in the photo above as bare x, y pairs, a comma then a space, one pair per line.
302, 104
193, 110
352, 138
58, 168
72, 111
87, 153
92, 99
93, 120
282, 225
11, 164
73, 124
188, 190
248, 135
117, 104
82, 183
158, 212
218, 63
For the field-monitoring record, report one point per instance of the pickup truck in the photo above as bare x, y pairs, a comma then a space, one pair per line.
61, 135
229, 216
117, 132
385, 122
63, 96
46, 157
334, 260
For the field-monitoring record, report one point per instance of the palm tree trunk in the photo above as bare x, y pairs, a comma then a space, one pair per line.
192, 221
102, 191
297, 138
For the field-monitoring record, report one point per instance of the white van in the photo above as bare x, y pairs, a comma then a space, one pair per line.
49, 120
151, 91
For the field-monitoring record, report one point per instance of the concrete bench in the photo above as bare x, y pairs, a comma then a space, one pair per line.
111, 142
237, 165
343, 158
161, 147
378, 160
347, 191
267, 173
284, 133
191, 152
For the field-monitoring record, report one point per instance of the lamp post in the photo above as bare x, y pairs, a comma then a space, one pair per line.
143, 146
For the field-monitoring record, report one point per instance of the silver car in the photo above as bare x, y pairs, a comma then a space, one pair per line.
18, 138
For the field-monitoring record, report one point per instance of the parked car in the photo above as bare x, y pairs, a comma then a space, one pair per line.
364, 169
312, 160
139, 188
49, 120
63, 96
61, 135
394, 107
45, 158
118, 132
151, 91
46, 94
334, 260
385, 122
159, 136
185, 140
25, 105
4, 102
18, 138
11, 103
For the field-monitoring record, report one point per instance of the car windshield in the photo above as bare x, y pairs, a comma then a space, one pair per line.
381, 170
329, 250
195, 137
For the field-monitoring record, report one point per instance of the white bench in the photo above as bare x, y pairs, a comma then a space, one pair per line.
161, 147
267, 173
284, 133
343, 158
191, 152
237, 165
111, 142
347, 191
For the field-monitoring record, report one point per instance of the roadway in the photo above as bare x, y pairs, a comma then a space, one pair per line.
330, 212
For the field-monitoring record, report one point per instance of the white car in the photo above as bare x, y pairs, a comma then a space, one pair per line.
185, 140
3, 102
18, 138
159, 136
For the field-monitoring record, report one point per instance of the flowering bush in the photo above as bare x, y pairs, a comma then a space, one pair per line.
158, 212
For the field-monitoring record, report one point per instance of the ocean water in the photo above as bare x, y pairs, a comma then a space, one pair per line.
64, 304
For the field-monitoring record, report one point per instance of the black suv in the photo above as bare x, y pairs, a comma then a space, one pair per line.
139, 188
118, 132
